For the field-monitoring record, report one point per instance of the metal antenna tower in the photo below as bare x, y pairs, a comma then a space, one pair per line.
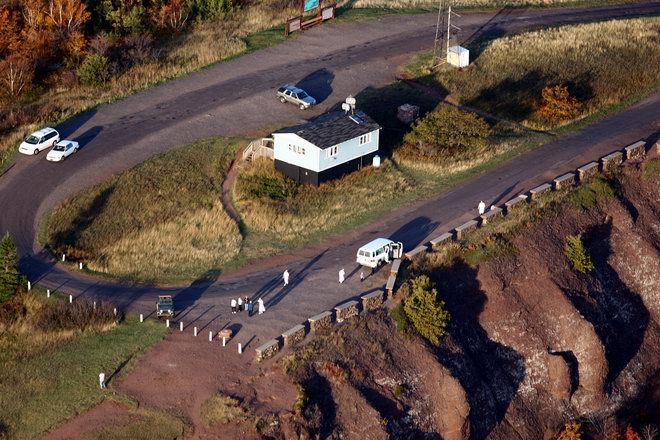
439, 43
443, 39
451, 27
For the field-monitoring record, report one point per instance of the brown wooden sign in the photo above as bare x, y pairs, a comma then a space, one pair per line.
297, 24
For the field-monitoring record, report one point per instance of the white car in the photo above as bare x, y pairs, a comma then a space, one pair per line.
62, 150
39, 140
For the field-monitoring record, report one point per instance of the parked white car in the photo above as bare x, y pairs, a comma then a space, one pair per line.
379, 251
39, 141
62, 150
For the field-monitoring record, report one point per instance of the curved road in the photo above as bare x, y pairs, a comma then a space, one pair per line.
237, 97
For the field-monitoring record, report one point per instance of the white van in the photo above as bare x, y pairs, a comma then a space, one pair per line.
379, 251
39, 140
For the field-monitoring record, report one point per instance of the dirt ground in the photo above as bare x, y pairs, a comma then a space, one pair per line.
177, 375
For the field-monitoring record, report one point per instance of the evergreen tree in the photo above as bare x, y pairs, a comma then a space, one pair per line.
10, 278
426, 310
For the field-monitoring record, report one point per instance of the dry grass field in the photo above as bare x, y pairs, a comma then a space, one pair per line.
602, 64
308, 212
160, 220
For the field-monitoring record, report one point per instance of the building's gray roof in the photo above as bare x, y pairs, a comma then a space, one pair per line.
333, 128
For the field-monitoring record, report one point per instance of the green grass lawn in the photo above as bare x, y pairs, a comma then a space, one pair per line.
44, 380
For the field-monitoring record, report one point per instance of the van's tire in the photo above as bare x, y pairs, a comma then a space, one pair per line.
36, 151
283, 101
302, 107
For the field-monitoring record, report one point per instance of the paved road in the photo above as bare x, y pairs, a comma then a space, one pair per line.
236, 98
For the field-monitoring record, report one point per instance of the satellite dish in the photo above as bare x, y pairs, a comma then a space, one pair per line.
351, 101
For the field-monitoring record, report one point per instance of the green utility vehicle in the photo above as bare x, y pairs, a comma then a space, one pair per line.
165, 306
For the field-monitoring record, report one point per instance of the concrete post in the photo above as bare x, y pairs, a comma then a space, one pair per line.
141, 317
224, 341
167, 323
94, 305
181, 326
47, 293
195, 331
115, 311
70, 299
63, 257
240, 349
210, 335
80, 266
29, 286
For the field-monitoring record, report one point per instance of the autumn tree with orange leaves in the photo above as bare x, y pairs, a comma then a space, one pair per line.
34, 33
558, 104
172, 15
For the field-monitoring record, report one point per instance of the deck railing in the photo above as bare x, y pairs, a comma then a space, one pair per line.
259, 148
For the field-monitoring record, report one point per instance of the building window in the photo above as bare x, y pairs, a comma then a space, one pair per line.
297, 149
332, 151
365, 138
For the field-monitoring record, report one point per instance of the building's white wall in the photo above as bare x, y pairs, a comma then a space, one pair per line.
309, 160
349, 150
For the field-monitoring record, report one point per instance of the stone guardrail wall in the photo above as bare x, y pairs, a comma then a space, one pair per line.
328, 318
606, 165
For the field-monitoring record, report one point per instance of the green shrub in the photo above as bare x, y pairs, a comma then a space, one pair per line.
651, 170
210, 9
577, 254
448, 131
220, 409
301, 399
594, 193
82, 314
10, 278
400, 318
425, 310
94, 70
264, 186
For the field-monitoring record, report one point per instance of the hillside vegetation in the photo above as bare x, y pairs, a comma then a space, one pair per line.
593, 66
534, 347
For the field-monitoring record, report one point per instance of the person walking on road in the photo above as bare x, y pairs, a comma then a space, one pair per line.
240, 304
102, 380
482, 207
342, 275
285, 276
361, 275
262, 308
233, 306
250, 307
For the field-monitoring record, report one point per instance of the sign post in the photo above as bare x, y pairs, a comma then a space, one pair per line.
309, 7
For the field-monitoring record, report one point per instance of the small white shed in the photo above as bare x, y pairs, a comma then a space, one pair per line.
458, 56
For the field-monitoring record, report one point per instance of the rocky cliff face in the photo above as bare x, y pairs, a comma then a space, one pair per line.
532, 342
